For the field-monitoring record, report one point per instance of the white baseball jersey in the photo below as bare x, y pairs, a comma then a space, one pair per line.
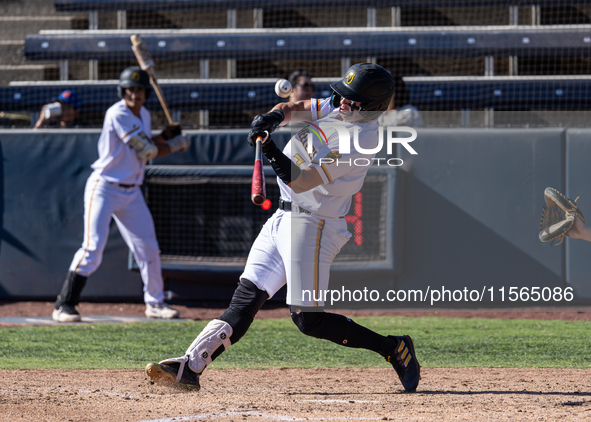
118, 162
342, 173
298, 247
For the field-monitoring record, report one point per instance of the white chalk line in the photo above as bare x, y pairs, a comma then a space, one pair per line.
276, 417
342, 401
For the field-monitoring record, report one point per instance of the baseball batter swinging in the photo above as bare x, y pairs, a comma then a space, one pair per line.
113, 191
300, 240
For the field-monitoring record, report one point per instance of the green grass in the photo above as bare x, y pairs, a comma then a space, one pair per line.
439, 342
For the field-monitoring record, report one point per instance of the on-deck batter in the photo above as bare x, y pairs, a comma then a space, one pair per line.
301, 239
113, 191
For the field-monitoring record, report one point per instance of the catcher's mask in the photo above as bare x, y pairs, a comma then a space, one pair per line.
134, 76
367, 83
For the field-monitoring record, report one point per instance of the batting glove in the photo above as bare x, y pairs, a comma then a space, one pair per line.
171, 131
144, 146
179, 143
264, 122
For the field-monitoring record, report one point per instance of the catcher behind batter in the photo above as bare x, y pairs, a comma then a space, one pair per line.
560, 218
300, 240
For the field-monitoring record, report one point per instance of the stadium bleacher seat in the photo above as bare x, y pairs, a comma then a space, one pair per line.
86, 5
322, 43
500, 93
459, 66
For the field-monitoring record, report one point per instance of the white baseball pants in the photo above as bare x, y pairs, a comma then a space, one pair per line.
104, 200
298, 249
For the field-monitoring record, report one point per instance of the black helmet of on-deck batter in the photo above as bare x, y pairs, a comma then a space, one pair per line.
367, 83
134, 76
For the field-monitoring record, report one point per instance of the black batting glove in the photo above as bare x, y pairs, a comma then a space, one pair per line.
171, 131
264, 122
254, 134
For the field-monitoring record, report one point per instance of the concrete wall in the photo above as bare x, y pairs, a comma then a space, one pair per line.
473, 206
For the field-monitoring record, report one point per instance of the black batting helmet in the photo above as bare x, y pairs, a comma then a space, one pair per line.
367, 83
134, 76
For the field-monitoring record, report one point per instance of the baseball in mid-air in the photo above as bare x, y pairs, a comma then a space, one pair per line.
283, 88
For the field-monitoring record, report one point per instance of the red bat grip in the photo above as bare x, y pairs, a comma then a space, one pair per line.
258, 192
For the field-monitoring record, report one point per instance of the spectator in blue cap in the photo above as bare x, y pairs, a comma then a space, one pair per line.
62, 112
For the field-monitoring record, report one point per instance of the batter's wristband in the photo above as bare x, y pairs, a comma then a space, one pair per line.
285, 169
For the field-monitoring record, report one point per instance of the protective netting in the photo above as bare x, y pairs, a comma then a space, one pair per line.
206, 217
218, 61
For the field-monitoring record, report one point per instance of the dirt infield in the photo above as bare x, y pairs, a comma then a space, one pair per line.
457, 394
466, 394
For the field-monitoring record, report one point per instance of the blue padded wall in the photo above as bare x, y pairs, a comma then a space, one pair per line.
43, 176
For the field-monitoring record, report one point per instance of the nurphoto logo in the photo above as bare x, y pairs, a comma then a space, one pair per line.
345, 144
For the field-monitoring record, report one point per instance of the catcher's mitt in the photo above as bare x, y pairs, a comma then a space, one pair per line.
558, 216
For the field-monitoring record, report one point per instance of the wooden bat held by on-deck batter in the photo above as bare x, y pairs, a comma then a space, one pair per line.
258, 193
144, 59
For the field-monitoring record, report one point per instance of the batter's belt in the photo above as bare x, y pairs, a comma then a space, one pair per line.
287, 206
122, 185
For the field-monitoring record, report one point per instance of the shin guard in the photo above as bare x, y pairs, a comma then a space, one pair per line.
215, 335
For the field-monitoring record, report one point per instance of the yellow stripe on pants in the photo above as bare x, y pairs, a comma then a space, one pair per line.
317, 258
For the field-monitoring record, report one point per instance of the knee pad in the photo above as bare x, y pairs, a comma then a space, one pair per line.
248, 298
246, 302
310, 323
216, 335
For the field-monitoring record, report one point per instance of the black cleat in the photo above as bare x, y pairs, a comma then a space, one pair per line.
168, 372
404, 360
